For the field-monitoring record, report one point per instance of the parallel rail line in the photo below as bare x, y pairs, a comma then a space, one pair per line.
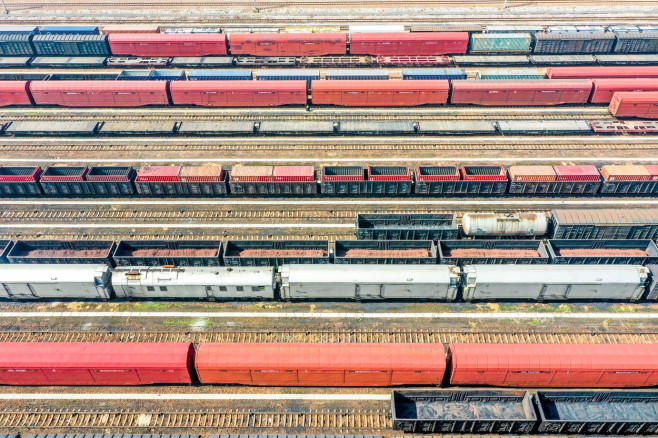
229, 419
325, 336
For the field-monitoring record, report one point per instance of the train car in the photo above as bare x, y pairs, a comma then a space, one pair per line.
273, 180
355, 74
543, 127
276, 253
374, 282
130, 28
554, 180
84, 181
505, 43
55, 281
602, 72
134, 128
597, 412
522, 92
554, 282
288, 44
399, 226
631, 60
409, 44
167, 44
95, 363
202, 62
100, 93
636, 42
573, 42
449, 411
52, 128
302, 127
628, 179
70, 45
320, 364
18, 181
579, 60
61, 252
238, 93
13, 44
456, 127
179, 253
141, 62
380, 252
492, 252
69, 29
380, 93
374, 127
14, 62
605, 223
554, 365
635, 104
624, 126
182, 181
604, 89
307, 75
15, 93
194, 282
491, 225
603, 252
355, 180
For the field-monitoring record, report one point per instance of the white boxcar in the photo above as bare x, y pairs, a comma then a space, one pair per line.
554, 282
55, 281
211, 282
369, 282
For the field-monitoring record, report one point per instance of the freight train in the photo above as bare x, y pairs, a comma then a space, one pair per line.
442, 181
373, 40
330, 364
376, 93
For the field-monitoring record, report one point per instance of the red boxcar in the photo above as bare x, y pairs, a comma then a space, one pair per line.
288, 44
555, 365
521, 92
642, 105
605, 88
380, 93
99, 93
293, 364
239, 93
167, 44
587, 72
14, 93
409, 43
95, 363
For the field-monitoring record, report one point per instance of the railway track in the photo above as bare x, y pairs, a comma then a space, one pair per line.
46, 418
320, 336
173, 233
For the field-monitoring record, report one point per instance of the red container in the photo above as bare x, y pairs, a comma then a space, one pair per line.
389, 173
14, 93
414, 60
625, 172
643, 105
532, 173
238, 93
19, 174
437, 173
555, 365
605, 88
201, 174
251, 173
99, 93
589, 72
129, 28
158, 174
577, 172
483, 173
293, 173
409, 43
288, 44
64, 173
95, 363
393, 92
521, 92
167, 44
308, 364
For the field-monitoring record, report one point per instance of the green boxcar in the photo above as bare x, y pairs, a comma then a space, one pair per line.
501, 43
506, 73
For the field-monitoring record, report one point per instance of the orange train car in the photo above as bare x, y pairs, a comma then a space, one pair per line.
167, 44
380, 93
306, 364
238, 93
604, 89
14, 93
288, 44
521, 92
641, 105
554, 365
100, 94
409, 43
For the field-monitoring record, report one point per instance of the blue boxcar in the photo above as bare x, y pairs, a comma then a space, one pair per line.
357, 75
219, 75
288, 75
167, 75
80, 30
434, 73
